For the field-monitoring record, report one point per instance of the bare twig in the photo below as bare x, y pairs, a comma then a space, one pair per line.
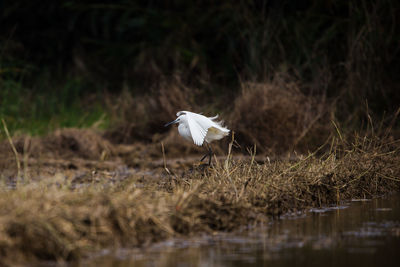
13, 149
228, 158
253, 154
25, 158
164, 160
337, 130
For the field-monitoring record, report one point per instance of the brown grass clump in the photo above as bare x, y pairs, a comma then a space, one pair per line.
278, 117
141, 118
56, 219
84, 143
62, 143
62, 149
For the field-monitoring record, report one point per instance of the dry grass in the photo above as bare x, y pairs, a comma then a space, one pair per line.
278, 117
275, 115
63, 143
56, 219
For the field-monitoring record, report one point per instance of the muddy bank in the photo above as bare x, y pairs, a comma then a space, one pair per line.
82, 205
91, 147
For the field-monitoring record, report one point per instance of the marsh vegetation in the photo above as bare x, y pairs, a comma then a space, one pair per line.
310, 91
63, 209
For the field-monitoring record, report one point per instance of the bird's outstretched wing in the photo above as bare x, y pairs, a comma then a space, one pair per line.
198, 126
207, 122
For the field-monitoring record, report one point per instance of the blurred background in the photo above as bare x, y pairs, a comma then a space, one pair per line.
278, 72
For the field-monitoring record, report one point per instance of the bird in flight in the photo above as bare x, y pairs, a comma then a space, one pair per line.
198, 128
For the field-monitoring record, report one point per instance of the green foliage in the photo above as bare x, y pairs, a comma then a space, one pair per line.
40, 111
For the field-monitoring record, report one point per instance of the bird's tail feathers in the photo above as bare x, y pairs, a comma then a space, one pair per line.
222, 127
220, 123
213, 118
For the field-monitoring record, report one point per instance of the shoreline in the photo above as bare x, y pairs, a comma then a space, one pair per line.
63, 219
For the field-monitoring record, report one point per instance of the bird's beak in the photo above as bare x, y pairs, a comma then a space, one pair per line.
172, 122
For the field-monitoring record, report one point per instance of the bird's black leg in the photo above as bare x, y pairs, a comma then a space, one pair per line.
209, 154
204, 157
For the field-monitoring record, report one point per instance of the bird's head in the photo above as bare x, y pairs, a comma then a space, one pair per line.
181, 118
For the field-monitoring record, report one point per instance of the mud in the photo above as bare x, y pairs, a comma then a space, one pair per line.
76, 192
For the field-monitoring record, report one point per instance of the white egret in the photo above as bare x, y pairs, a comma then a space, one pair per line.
198, 128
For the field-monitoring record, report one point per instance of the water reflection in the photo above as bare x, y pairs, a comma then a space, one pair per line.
358, 233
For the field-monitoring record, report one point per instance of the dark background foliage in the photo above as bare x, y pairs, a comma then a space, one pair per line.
346, 49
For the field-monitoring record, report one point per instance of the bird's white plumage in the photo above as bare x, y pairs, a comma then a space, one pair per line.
199, 128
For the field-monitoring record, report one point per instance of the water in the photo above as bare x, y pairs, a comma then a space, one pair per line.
358, 233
